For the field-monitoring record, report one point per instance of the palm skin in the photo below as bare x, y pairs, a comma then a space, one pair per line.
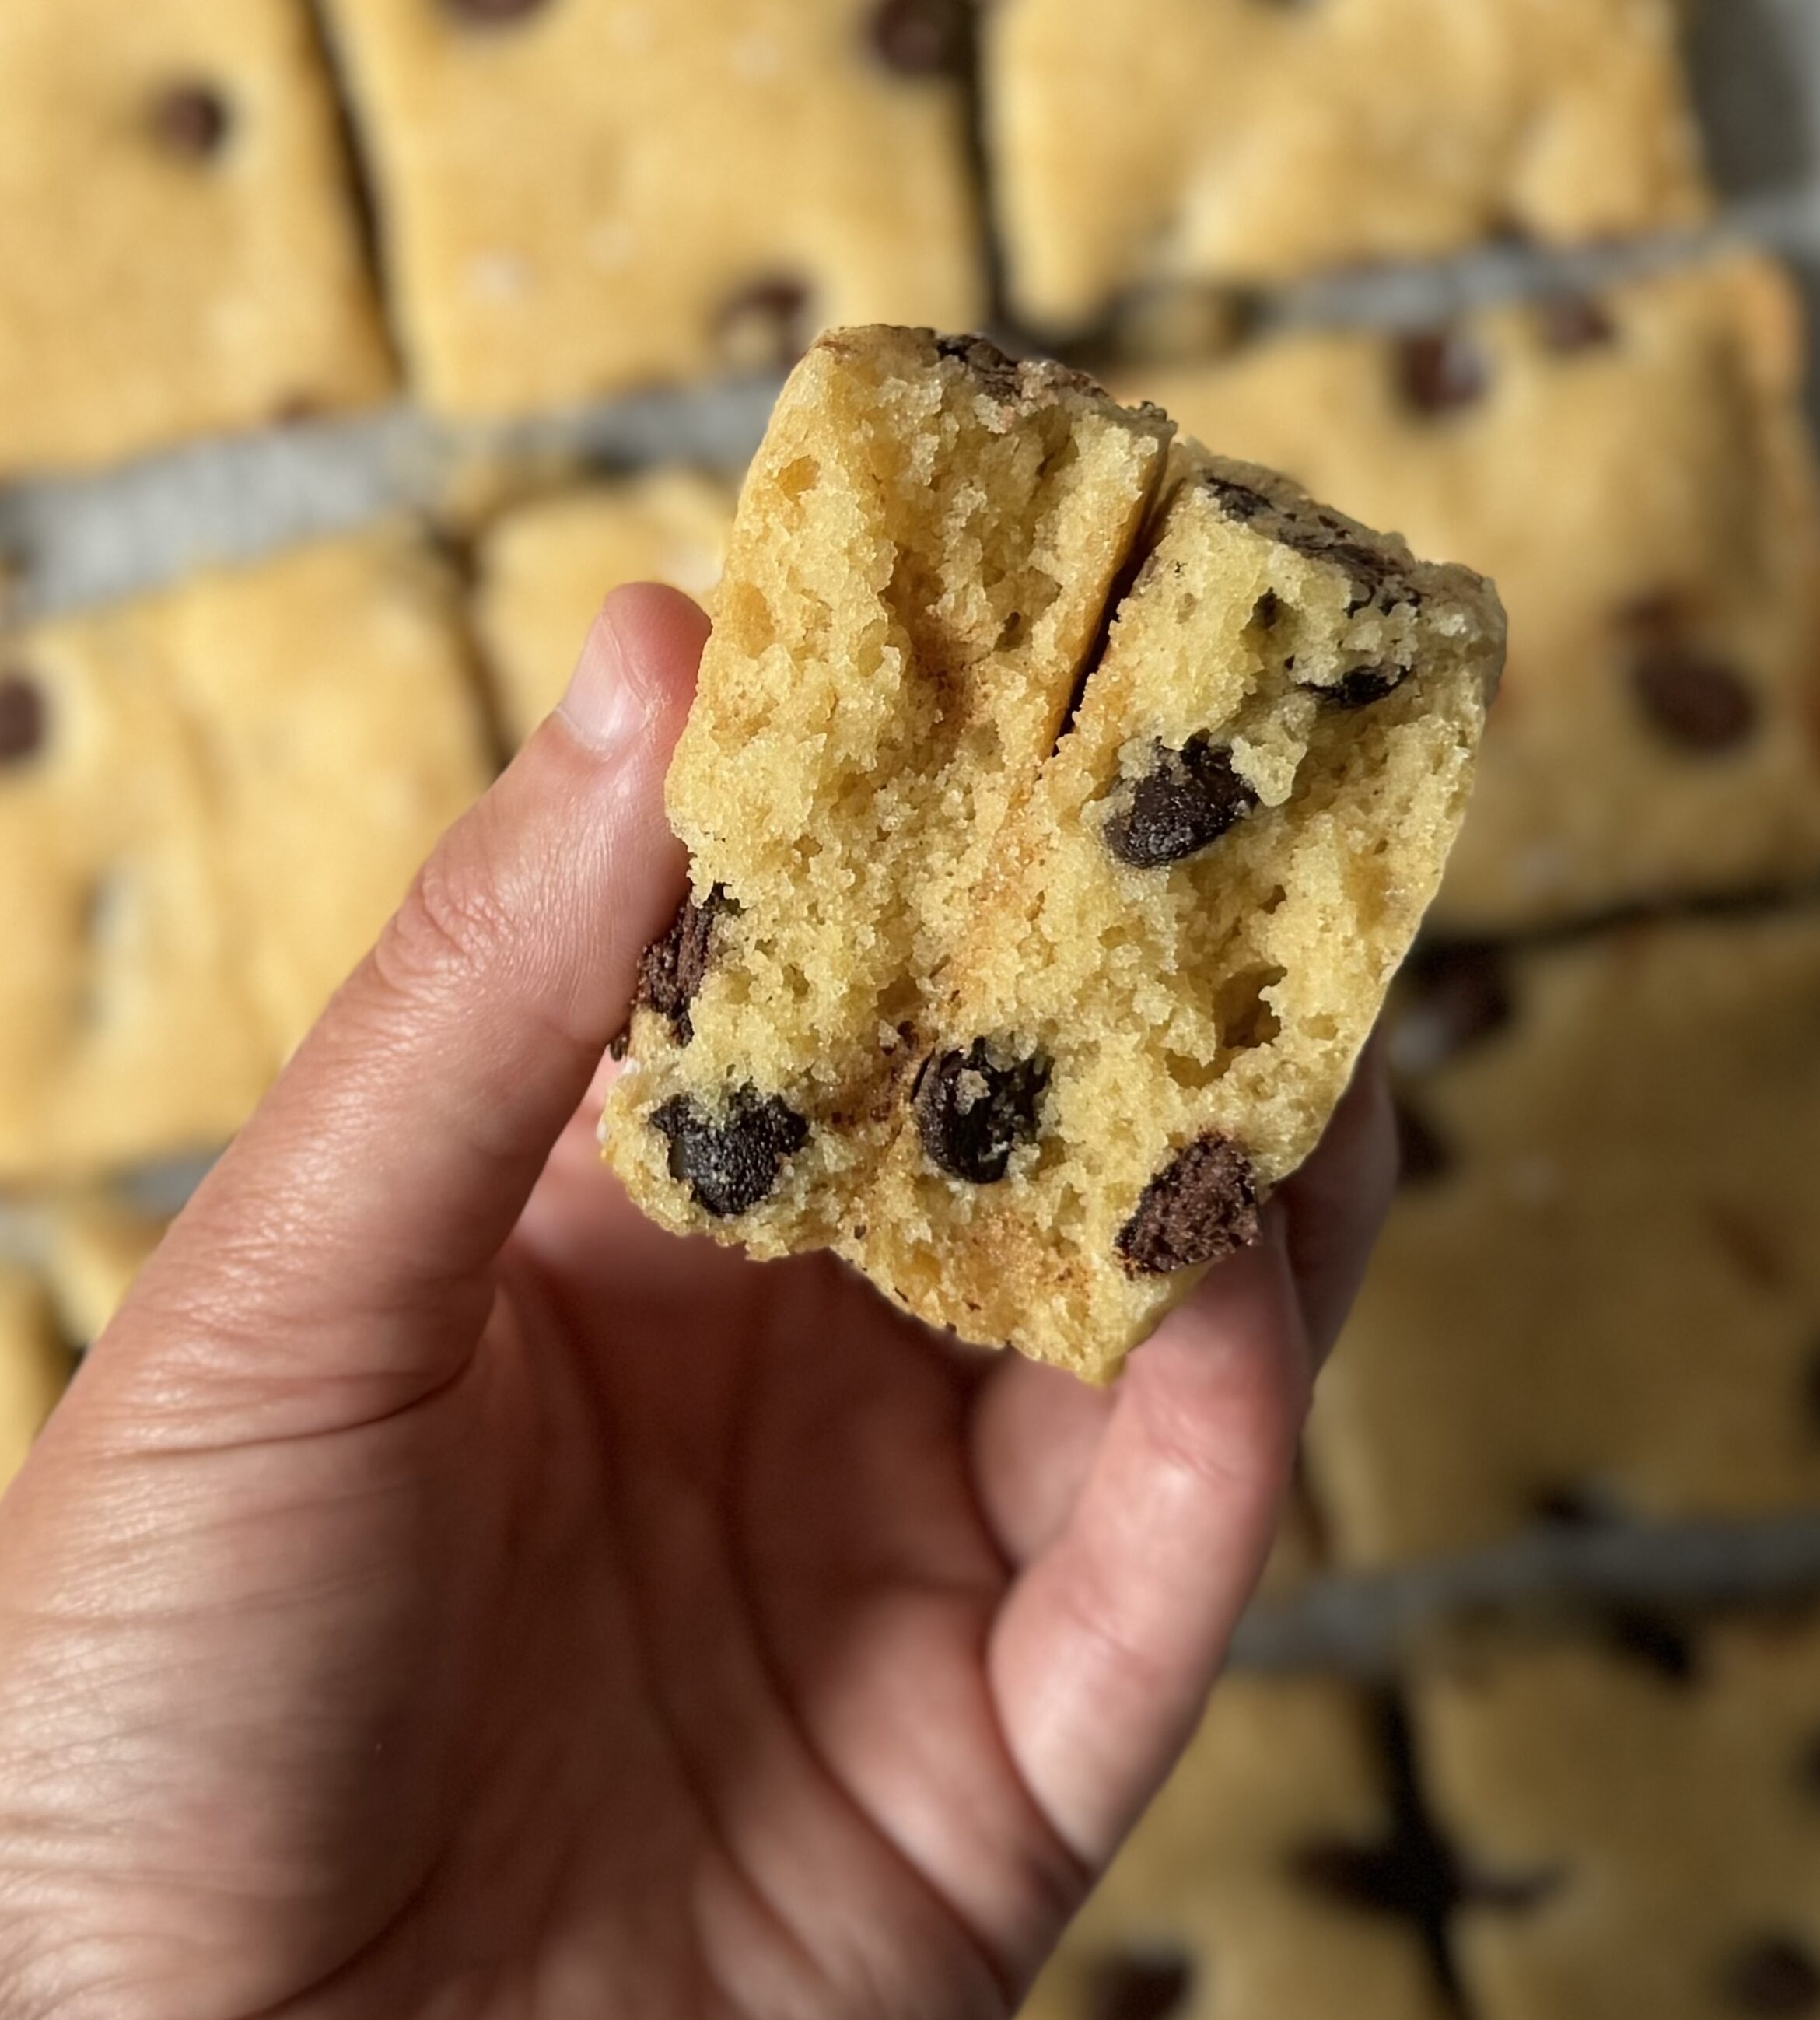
557, 1619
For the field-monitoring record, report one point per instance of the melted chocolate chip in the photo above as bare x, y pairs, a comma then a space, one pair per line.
1150, 1985
1414, 1875
1773, 1976
1441, 371
1424, 1157
972, 1113
1646, 1638
1571, 323
920, 37
1693, 699
1362, 686
765, 326
1237, 501
191, 120
1202, 1206
1306, 529
997, 372
491, 14
1187, 801
730, 1162
1580, 1506
672, 970
24, 720
1452, 998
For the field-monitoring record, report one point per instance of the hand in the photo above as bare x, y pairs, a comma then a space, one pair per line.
441, 1594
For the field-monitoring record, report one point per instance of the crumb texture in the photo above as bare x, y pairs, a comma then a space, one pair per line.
1023, 988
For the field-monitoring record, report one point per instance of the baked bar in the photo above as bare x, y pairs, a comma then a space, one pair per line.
579, 197
545, 567
335, 700
1638, 1813
1265, 1882
1634, 473
179, 248
1596, 1296
1188, 927
35, 1365
209, 799
1026, 1028
1162, 142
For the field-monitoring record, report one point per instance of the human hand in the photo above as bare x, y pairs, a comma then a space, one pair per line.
443, 1594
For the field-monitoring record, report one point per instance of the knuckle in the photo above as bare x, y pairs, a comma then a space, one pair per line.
453, 923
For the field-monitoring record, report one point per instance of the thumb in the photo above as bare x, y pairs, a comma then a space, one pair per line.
347, 1236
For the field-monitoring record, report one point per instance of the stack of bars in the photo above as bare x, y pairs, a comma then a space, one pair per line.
1598, 1302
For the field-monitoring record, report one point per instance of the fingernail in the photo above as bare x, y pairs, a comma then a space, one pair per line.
604, 705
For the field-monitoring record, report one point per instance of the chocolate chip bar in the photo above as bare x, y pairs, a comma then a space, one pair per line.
1596, 1298
583, 197
1632, 468
544, 568
1269, 1879
210, 798
1634, 1819
179, 252
1167, 144
1053, 844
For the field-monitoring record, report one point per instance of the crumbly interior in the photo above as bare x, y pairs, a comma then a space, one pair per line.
1022, 990
1206, 1001
923, 558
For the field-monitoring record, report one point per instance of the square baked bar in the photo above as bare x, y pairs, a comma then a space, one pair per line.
210, 798
545, 567
581, 197
1263, 1884
1058, 814
179, 252
1154, 143
1634, 472
1637, 1818
1598, 1297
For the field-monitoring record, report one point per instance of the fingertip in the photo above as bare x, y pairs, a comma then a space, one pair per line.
659, 634
636, 673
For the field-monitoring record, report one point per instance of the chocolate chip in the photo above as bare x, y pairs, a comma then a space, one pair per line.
1645, 1637
1452, 998
1373, 1879
1424, 1158
731, 1162
24, 720
191, 120
1184, 804
1000, 375
1361, 687
491, 14
1694, 699
1202, 1206
1412, 1875
1306, 529
1580, 1506
1441, 371
1575, 322
973, 1113
672, 970
1237, 501
920, 37
1773, 1976
1138, 1984
764, 327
